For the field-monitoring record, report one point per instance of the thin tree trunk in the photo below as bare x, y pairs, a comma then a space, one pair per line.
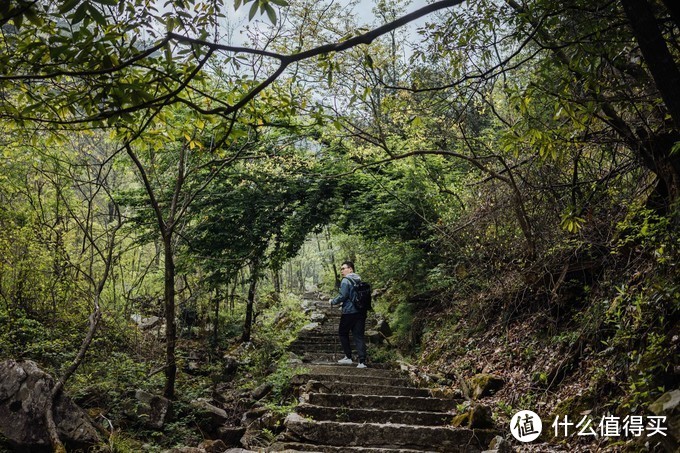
277, 281
247, 327
95, 317
216, 316
171, 326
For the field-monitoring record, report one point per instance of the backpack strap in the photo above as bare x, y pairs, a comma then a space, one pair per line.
353, 291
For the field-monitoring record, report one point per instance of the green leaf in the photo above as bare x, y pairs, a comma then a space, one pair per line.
97, 15
675, 149
107, 2
253, 10
18, 19
270, 13
282, 3
33, 17
80, 14
68, 5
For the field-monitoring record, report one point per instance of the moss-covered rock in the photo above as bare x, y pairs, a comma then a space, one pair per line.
479, 416
485, 384
668, 405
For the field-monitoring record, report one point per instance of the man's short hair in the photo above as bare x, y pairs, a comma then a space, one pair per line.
348, 264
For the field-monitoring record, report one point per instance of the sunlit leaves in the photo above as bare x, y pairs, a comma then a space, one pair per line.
571, 222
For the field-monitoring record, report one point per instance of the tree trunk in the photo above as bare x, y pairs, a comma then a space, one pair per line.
654, 50
247, 327
674, 9
171, 327
656, 147
216, 320
277, 281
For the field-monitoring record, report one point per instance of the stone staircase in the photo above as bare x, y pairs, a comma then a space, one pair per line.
375, 409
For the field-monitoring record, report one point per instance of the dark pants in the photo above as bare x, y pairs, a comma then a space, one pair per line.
356, 323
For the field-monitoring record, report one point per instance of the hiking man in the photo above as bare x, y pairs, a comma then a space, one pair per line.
352, 318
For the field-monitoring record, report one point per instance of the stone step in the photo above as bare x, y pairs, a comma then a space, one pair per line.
343, 370
365, 389
326, 358
329, 358
319, 347
296, 446
388, 435
311, 340
309, 337
302, 379
387, 402
298, 351
357, 415
321, 330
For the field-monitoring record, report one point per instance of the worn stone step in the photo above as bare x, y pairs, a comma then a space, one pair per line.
356, 415
388, 435
320, 348
327, 358
322, 331
310, 340
317, 347
365, 388
300, 352
386, 402
296, 446
342, 370
310, 337
303, 378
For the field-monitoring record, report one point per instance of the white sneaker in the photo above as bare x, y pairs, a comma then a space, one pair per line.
345, 361
361, 365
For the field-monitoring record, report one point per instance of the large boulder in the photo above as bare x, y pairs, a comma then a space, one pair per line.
479, 416
208, 417
146, 322
152, 410
485, 384
24, 392
668, 405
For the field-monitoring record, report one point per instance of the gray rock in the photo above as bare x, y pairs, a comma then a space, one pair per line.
252, 415
231, 435
317, 317
209, 417
485, 384
230, 367
24, 391
373, 337
213, 446
311, 327
384, 328
262, 391
668, 405
153, 410
185, 450
479, 416
146, 322
500, 445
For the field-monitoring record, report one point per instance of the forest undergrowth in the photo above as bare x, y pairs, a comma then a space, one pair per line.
577, 333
